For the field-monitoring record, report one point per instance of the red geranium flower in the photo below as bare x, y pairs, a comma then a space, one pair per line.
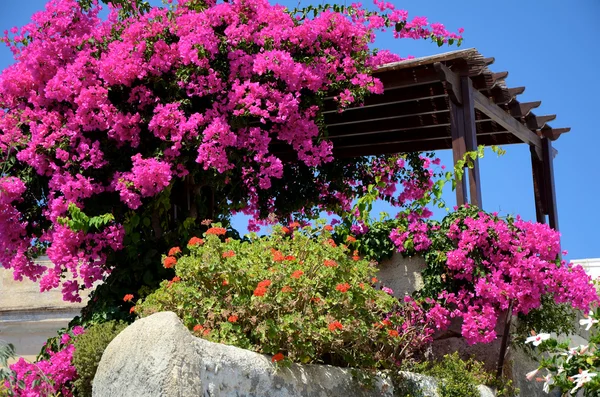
228, 254
264, 283
297, 274
343, 287
335, 325
198, 328
260, 291
169, 262
127, 298
330, 263
278, 357
285, 230
195, 241
286, 288
132, 309
277, 255
225, 282
232, 318
350, 239
218, 231
328, 228
393, 333
174, 251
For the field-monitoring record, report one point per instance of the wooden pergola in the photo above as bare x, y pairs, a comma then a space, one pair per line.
450, 101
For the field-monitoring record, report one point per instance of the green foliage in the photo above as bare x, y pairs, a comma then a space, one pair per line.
298, 294
79, 221
459, 378
88, 352
550, 317
7, 351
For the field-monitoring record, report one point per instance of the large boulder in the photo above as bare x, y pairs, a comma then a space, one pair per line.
157, 356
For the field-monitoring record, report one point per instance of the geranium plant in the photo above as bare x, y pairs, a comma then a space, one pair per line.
295, 295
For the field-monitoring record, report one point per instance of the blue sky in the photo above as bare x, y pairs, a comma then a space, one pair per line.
550, 47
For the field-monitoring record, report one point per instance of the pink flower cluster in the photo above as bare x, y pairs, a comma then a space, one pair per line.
126, 106
52, 376
493, 264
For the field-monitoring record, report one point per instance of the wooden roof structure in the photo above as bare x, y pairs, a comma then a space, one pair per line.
449, 101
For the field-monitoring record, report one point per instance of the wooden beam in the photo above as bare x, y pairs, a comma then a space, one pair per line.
489, 61
541, 120
459, 148
468, 110
499, 76
526, 107
537, 173
549, 183
552, 133
451, 80
494, 112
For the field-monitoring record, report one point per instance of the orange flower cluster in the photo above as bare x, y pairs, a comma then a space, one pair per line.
350, 239
169, 262
225, 282
355, 256
290, 258
198, 328
132, 310
195, 241
228, 254
343, 287
331, 242
285, 230
286, 288
233, 319
393, 333
127, 298
374, 280
261, 288
277, 255
316, 299
329, 228
174, 251
297, 274
294, 225
335, 325
330, 263
218, 231
278, 357
175, 279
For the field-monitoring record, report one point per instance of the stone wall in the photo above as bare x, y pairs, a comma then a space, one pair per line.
158, 356
28, 317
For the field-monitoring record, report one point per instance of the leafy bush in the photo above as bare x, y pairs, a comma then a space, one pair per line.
459, 378
88, 352
296, 295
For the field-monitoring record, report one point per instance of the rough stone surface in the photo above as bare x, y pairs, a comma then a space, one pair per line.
403, 275
158, 356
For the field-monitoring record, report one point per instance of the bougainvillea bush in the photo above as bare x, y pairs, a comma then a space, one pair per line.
118, 136
481, 266
52, 375
295, 295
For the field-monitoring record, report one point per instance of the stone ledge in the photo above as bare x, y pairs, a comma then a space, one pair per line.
158, 356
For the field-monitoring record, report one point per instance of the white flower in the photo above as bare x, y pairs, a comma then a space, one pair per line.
581, 378
574, 351
548, 381
537, 339
530, 375
588, 321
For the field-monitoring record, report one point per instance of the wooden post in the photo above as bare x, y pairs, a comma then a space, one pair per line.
539, 193
468, 109
459, 147
549, 183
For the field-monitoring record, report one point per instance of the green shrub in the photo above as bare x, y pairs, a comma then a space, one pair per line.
295, 295
459, 378
88, 352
